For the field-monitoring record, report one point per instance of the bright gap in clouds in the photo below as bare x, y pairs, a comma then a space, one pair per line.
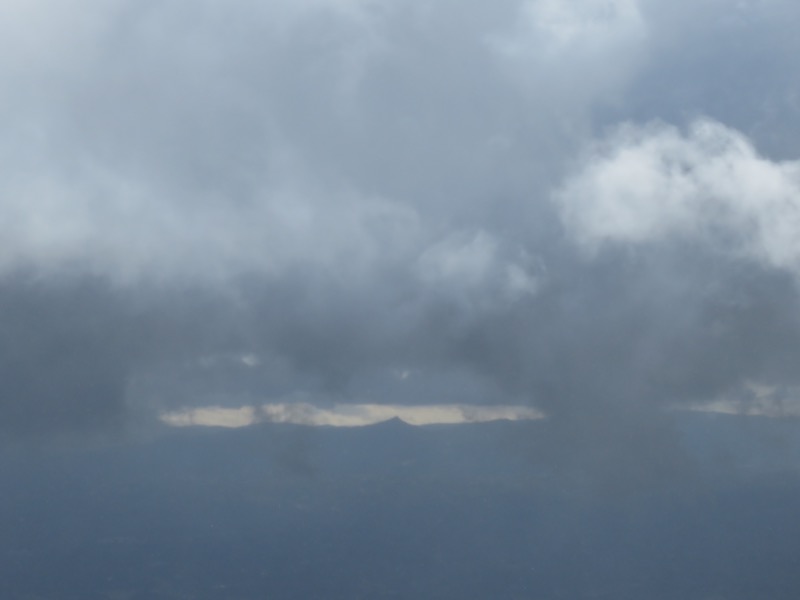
360, 415
345, 415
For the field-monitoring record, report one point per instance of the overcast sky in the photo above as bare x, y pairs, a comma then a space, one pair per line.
588, 207
580, 215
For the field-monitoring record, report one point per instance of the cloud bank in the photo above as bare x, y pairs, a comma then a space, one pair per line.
528, 202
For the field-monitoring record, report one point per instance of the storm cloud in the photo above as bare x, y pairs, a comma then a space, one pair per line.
586, 207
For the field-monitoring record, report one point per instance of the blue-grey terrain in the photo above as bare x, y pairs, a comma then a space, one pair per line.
394, 511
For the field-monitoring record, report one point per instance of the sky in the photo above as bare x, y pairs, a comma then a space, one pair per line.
584, 209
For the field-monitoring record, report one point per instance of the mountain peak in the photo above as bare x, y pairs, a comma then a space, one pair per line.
394, 422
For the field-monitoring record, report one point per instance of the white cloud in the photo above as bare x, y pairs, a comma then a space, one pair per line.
646, 184
575, 50
755, 399
117, 110
589, 24
130, 232
464, 259
474, 265
212, 417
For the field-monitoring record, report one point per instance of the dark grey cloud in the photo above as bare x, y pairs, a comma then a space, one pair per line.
64, 358
509, 202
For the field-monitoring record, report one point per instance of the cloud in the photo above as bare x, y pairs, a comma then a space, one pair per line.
648, 184
729, 62
344, 191
64, 360
602, 42
471, 268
